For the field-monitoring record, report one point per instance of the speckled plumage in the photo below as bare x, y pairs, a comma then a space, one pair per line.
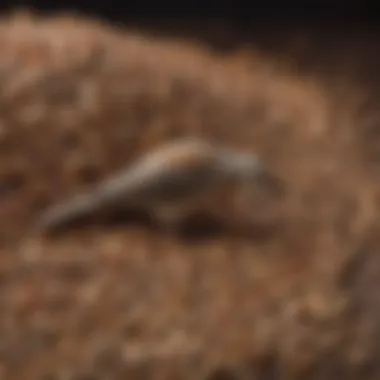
170, 182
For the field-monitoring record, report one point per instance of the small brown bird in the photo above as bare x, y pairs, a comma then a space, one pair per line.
171, 182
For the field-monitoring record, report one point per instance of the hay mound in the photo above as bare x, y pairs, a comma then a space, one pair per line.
79, 99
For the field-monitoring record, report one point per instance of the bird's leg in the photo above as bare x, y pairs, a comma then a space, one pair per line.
168, 218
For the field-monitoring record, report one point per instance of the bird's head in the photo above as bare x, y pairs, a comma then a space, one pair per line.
246, 167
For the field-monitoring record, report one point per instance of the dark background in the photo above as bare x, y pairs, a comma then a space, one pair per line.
226, 25
239, 13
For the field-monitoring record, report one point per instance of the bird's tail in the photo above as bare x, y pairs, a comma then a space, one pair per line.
62, 214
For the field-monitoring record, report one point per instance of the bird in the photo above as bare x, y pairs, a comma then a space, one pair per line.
170, 182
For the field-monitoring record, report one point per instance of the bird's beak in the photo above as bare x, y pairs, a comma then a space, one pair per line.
271, 182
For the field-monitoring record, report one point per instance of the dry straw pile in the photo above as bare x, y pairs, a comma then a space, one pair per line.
78, 99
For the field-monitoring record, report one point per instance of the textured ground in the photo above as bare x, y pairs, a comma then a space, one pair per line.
78, 99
